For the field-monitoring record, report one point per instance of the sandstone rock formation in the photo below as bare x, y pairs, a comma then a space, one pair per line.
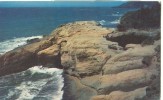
95, 67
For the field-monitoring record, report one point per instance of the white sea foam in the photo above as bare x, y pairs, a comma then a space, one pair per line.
27, 87
39, 69
117, 14
36, 82
115, 21
103, 22
59, 94
43, 70
8, 45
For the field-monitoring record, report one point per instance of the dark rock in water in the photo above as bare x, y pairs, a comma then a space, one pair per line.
33, 40
44, 36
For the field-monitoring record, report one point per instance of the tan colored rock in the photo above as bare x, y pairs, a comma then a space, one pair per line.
133, 54
129, 59
120, 95
116, 67
127, 80
51, 51
82, 47
35, 47
131, 46
74, 90
50, 56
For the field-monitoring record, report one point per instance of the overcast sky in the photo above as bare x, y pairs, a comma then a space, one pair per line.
60, 3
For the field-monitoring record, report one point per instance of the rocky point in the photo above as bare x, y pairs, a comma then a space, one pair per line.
99, 63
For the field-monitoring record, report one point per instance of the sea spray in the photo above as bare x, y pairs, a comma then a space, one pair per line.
105, 23
35, 83
8, 45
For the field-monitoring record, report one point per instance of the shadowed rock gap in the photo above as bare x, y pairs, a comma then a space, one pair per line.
128, 39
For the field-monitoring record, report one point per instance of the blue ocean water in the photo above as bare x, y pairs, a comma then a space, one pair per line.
17, 25
23, 22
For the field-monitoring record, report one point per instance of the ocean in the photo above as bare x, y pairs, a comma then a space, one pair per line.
17, 25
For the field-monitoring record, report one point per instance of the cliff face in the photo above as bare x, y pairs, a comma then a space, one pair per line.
96, 66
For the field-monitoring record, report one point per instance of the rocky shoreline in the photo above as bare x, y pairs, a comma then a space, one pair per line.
99, 63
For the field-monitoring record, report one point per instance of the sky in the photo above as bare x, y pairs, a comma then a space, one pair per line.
60, 3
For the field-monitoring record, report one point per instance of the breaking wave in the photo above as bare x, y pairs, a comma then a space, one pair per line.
8, 45
36, 83
103, 22
115, 21
116, 14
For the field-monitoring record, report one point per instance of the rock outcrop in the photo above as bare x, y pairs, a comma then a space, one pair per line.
144, 18
96, 64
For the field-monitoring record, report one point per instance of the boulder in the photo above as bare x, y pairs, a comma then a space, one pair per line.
33, 40
16, 61
134, 36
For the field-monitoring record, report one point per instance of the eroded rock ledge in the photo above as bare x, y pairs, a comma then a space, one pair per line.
96, 65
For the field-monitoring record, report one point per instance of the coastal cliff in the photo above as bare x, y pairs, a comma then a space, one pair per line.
144, 18
99, 63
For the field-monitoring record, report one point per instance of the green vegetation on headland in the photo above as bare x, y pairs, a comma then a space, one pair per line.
143, 18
